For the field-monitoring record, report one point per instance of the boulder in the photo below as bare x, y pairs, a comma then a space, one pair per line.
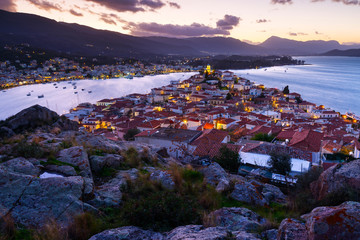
108, 160
109, 194
340, 222
247, 191
269, 234
6, 132
98, 142
21, 165
76, 156
33, 202
291, 229
236, 219
63, 170
162, 177
128, 233
336, 178
273, 194
31, 117
199, 232
216, 176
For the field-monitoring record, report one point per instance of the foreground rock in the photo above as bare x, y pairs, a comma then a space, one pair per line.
340, 222
236, 219
21, 165
128, 233
291, 229
216, 176
211, 233
76, 156
98, 163
249, 192
33, 202
110, 193
336, 178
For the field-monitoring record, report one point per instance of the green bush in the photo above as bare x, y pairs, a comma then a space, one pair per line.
28, 150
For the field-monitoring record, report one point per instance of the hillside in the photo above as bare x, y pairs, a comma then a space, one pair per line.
345, 53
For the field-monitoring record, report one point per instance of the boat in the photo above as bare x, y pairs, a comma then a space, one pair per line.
56, 87
82, 89
29, 94
75, 92
75, 87
64, 87
139, 75
89, 91
41, 96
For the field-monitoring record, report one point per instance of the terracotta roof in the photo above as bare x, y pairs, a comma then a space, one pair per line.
307, 140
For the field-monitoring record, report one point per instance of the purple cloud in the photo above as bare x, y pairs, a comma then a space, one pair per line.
110, 18
228, 23
130, 5
262, 21
45, 5
73, 12
8, 5
297, 34
155, 29
281, 2
174, 5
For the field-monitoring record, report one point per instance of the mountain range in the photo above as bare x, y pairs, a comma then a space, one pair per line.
75, 39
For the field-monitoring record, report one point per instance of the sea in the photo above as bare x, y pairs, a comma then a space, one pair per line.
330, 81
62, 96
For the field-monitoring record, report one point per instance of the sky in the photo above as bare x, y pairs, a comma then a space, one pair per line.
252, 21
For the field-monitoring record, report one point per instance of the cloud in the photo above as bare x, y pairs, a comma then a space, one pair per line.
318, 33
281, 2
297, 34
346, 2
130, 5
262, 21
45, 5
110, 18
73, 12
174, 5
8, 5
228, 23
171, 30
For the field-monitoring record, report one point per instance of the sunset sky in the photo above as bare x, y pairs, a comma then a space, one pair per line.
248, 20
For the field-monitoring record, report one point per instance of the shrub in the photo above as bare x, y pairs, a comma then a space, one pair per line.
263, 137
26, 150
84, 226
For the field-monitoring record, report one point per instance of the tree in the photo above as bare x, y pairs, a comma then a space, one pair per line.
286, 90
130, 134
228, 159
263, 137
280, 163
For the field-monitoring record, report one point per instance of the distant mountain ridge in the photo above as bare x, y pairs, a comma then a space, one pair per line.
75, 39
345, 53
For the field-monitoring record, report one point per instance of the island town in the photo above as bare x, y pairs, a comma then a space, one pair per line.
193, 119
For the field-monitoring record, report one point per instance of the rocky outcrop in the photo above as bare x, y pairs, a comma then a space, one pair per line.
273, 194
291, 229
128, 233
236, 219
109, 194
340, 222
63, 170
162, 177
21, 165
108, 160
336, 178
98, 142
32, 117
202, 233
249, 192
32, 201
76, 156
216, 176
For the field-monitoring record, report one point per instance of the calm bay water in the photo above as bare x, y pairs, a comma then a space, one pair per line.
331, 81
61, 100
